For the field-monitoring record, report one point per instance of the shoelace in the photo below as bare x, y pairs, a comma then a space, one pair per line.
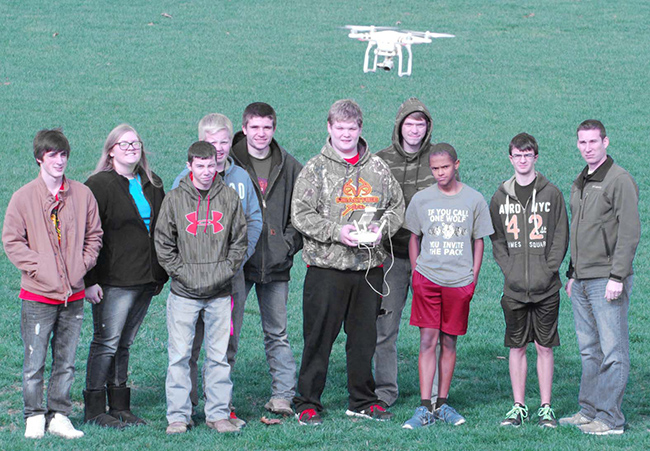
519, 410
546, 413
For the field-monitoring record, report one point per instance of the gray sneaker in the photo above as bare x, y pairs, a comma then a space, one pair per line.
597, 427
279, 406
222, 426
577, 419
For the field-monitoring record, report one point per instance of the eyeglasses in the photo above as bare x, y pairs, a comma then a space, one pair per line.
124, 145
522, 156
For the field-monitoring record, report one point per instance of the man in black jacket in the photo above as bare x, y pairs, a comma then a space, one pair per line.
273, 172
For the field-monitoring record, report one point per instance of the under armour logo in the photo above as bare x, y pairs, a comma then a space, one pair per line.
195, 224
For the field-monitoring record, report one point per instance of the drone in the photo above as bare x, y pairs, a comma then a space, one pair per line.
388, 42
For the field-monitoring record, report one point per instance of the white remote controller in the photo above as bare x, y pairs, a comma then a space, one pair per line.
365, 236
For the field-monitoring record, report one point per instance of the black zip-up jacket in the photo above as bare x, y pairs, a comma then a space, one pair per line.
529, 241
128, 256
279, 240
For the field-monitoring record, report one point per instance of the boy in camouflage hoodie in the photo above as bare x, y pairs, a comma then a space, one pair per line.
343, 282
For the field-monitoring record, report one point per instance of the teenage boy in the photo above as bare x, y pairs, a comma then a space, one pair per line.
448, 222
408, 160
201, 242
217, 129
273, 172
605, 231
344, 282
52, 233
530, 239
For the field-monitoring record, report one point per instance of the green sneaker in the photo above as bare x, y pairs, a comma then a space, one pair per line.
516, 416
546, 417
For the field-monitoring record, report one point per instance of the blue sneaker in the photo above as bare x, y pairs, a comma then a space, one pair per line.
422, 417
449, 415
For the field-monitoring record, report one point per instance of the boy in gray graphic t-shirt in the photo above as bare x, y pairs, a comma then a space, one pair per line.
447, 222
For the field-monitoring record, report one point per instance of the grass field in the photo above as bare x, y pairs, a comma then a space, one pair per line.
540, 67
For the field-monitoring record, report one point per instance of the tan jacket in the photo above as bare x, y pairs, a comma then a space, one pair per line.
30, 240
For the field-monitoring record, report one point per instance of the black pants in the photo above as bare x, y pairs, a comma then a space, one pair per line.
332, 298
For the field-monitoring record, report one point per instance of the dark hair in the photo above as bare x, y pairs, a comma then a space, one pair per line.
50, 141
445, 149
258, 109
200, 149
523, 142
593, 124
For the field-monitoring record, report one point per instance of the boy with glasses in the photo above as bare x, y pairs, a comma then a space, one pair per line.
531, 235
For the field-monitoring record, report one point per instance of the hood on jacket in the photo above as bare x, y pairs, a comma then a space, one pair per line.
408, 107
188, 187
239, 151
331, 154
508, 188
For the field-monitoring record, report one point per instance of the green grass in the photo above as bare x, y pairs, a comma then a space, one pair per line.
539, 67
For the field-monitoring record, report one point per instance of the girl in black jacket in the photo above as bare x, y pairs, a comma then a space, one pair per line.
127, 274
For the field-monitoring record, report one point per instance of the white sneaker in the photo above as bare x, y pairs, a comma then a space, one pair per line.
35, 426
60, 425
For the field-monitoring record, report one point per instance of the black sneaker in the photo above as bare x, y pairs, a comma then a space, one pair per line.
546, 417
516, 416
374, 412
309, 417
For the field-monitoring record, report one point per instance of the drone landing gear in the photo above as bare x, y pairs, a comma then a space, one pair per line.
387, 64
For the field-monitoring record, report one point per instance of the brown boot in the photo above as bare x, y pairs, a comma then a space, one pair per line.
119, 406
95, 410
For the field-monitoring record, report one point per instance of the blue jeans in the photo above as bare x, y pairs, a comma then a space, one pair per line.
182, 314
272, 298
116, 320
602, 331
38, 322
238, 303
398, 280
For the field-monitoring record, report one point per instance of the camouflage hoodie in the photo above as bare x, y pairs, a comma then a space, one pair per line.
411, 170
327, 191
201, 242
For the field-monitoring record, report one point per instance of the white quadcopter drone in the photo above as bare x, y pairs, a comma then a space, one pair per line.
389, 42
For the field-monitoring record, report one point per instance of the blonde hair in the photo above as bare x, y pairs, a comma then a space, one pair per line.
212, 123
345, 110
105, 162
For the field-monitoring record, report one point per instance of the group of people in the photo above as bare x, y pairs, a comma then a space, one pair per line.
241, 210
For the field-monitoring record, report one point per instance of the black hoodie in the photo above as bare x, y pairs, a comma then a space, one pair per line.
529, 241
279, 240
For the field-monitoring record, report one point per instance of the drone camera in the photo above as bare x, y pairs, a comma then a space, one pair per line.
387, 64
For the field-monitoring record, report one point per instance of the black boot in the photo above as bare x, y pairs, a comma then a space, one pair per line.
119, 406
95, 410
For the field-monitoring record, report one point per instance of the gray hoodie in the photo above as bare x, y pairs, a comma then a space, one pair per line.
201, 242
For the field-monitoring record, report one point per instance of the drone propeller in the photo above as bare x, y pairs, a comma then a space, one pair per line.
363, 28
428, 34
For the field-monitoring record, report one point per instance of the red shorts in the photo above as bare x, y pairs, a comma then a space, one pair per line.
442, 308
